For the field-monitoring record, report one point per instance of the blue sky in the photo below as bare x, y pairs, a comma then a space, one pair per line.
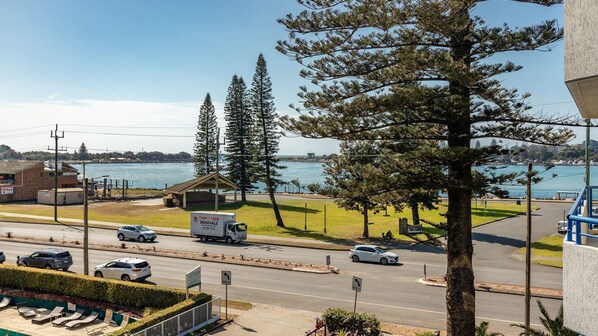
82, 63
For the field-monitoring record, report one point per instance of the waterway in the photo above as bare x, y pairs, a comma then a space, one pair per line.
159, 175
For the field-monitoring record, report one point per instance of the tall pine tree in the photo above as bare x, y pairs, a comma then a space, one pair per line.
206, 142
420, 70
83, 153
239, 124
265, 132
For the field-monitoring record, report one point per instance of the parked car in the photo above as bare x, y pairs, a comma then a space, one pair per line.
562, 227
372, 253
2, 257
126, 269
136, 232
51, 258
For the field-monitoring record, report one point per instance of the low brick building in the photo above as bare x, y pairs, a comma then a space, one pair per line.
21, 180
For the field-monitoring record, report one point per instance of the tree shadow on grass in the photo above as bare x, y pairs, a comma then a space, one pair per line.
254, 204
547, 247
318, 236
495, 213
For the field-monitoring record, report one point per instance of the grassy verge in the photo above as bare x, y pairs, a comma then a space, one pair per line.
340, 223
547, 251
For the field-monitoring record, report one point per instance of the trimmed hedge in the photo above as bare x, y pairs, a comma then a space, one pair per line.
164, 314
126, 294
338, 319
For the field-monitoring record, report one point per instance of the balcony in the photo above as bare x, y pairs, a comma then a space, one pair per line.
580, 266
581, 48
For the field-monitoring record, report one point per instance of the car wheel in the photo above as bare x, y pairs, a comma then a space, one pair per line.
125, 277
98, 274
384, 261
204, 239
48, 267
141, 239
65, 269
24, 263
121, 237
355, 258
229, 240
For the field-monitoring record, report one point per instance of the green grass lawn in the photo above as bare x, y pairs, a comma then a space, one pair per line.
340, 224
547, 251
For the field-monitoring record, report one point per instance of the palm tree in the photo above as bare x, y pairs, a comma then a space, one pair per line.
554, 327
482, 330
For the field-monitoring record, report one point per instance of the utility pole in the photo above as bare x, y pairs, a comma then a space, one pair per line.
528, 250
85, 229
217, 168
54, 134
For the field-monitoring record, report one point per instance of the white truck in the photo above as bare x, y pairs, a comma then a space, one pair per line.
210, 225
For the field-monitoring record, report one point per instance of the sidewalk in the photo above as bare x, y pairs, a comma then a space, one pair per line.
266, 320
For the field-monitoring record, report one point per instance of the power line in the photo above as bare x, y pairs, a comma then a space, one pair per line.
134, 134
25, 128
22, 135
131, 127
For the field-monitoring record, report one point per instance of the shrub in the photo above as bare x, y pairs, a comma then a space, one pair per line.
125, 294
338, 319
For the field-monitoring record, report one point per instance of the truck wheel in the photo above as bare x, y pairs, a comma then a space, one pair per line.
204, 239
229, 240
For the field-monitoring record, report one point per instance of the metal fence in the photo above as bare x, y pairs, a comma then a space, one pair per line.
576, 218
186, 322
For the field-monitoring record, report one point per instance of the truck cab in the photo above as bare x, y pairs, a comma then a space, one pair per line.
236, 232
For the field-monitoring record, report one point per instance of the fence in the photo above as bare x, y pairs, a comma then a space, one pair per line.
576, 218
186, 322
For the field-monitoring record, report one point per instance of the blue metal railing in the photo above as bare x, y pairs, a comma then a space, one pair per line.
575, 218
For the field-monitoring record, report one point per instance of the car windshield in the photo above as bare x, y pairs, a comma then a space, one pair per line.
142, 228
379, 250
141, 264
241, 227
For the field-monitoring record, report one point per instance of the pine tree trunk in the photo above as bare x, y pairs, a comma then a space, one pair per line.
414, 212
366, 229
460, 292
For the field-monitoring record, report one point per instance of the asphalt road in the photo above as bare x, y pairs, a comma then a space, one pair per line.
391, 292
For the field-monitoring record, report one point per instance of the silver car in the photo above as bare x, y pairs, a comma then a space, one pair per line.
372, 253
127, 269
136, 232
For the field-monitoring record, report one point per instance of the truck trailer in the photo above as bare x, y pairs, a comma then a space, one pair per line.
210, 225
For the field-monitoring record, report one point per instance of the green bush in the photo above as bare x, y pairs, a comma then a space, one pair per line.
164, 314
338, 319
126, 294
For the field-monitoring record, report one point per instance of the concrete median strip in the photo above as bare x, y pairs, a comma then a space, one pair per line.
201, 256
545, 293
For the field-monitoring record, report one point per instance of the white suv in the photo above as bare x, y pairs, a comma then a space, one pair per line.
126, 269
372, 253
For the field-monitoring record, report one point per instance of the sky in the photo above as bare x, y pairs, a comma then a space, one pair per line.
131, 75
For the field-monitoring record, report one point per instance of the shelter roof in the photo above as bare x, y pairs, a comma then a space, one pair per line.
203, 182
17, 166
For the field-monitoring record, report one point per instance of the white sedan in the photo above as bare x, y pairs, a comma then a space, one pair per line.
126, 269
373, 253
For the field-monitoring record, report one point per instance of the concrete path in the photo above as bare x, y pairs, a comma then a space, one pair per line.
267, 320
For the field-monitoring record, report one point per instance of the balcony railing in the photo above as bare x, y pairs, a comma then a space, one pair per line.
576, 219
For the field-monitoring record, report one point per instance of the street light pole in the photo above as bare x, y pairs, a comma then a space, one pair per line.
85, 229
217, 168
528, 249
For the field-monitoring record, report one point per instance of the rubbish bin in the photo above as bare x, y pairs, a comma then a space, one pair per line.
518, 202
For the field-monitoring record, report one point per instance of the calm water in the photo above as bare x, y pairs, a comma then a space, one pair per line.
157, 175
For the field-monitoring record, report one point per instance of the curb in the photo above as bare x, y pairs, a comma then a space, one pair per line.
492, 290
331, 270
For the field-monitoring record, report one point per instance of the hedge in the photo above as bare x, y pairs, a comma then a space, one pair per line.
126, 294
338, 319
164, 314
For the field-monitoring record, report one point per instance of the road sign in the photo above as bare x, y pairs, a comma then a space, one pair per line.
356, 284
193, 277
226, 278
327, 260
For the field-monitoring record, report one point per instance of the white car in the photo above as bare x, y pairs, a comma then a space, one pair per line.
372, 253
126, 269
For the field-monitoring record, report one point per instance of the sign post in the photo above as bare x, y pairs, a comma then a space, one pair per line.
328, 261
192, 279
226, 278
356, 285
